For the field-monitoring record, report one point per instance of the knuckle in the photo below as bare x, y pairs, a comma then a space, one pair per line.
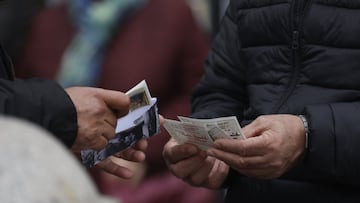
98, 111
270, 146
266, 144
110, 135
241, 163
126, 102
168, 155
194, 181
97, 108
89, 138
262, 118
100, 145
242, 152
179, 173
276, 164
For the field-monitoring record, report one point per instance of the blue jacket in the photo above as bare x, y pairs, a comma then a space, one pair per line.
40, 101
293, 57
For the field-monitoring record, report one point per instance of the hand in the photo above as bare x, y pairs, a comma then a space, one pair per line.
97, 113
192, 165
273, 145
136, 153
162, 119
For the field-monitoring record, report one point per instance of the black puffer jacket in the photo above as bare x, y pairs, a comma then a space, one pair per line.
40, 101
295, 57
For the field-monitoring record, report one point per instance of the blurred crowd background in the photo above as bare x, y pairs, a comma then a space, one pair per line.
164, 42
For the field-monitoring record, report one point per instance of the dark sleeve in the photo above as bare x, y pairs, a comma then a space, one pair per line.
221, 91
334, 138
42, 102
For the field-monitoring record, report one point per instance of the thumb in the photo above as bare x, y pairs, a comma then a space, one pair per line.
253, 129
116, 101
162, 120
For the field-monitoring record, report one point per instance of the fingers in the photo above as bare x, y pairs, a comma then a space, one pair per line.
109, 125
109, 165
89, 142
111, 119
132, 155
191, 164
183, 160
200, 176
262, 167
99, 143
256, 127
136, 153
162, 119
254, 146
179, 152
97, 112
113, 164
116, 100
108, 133
141, 145
218, 174
240, 162
273, 146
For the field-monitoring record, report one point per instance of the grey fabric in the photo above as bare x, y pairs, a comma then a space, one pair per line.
36, 168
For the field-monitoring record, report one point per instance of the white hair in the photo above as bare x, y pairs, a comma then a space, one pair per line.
36, 168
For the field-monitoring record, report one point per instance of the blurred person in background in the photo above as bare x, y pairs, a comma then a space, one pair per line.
79, 117
118, 44
14, 24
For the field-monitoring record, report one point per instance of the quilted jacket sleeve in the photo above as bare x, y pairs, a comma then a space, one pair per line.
333, 143
225, 96
42, 102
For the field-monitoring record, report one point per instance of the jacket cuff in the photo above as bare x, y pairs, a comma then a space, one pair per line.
61, 116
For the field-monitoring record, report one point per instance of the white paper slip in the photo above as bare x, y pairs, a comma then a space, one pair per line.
203, 132
188, 133
139, 95
141, 122
228, 125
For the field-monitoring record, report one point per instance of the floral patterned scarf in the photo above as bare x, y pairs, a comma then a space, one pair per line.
96, 21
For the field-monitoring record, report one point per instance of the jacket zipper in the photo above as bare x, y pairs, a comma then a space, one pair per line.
297, 16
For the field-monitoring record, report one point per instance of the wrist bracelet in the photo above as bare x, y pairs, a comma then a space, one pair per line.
306, 127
